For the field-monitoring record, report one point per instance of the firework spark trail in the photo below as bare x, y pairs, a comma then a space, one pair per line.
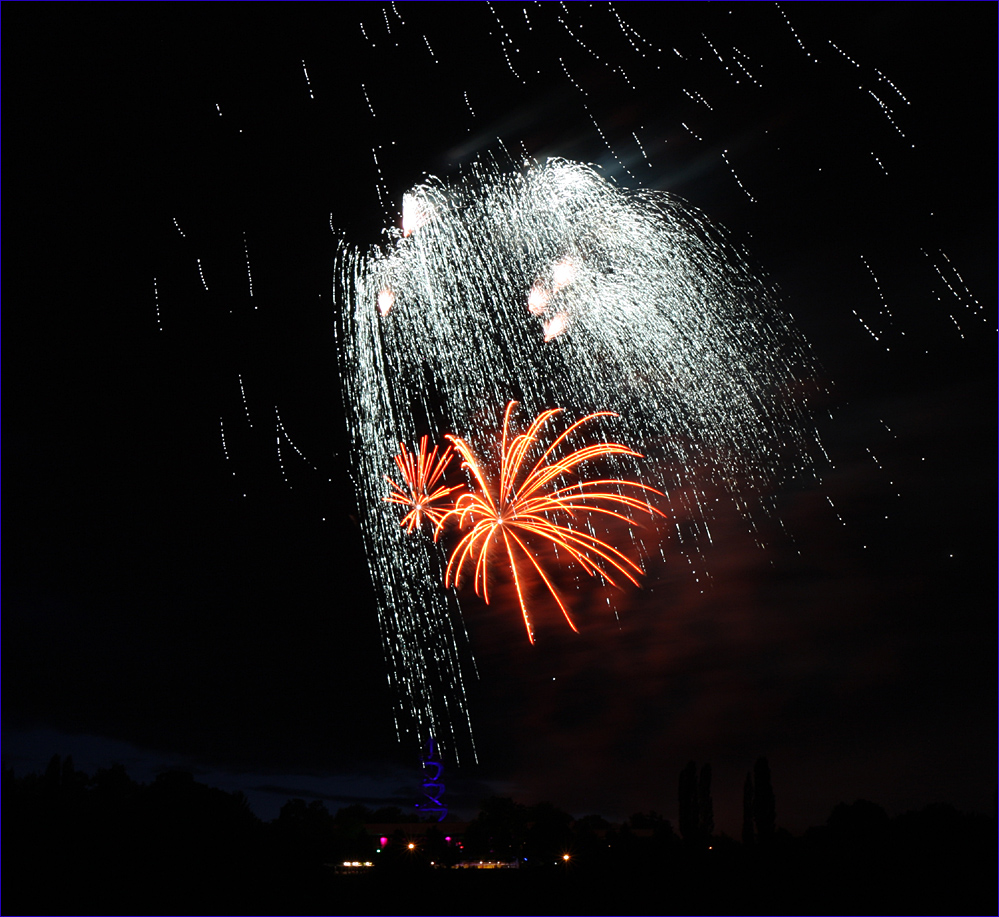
156, 303
574, 41
282, 432
420, 491
663, 323
523, 505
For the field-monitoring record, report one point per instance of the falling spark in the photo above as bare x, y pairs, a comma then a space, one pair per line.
801, 44
690, 131
721, 59
225, 448
249, 276
426, 41
308, 84
283, 432
887, 112
367, 99
645, 155
246, 407
156, 303
724, 156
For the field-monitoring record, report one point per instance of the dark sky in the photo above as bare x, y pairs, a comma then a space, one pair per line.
173, 600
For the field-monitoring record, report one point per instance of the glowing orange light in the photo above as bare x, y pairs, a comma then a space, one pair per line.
519, 505
419, 490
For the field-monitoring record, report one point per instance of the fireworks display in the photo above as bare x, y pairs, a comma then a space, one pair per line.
519, 504
264, 269
553, 263
525, 276
548, 281
421, 493
548, 284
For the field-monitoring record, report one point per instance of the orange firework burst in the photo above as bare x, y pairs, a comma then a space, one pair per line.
527, 507
419, 490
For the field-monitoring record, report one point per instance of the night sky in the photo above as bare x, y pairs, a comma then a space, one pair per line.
178, 592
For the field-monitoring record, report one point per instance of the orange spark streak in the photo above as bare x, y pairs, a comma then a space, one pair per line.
521, 504
420, 472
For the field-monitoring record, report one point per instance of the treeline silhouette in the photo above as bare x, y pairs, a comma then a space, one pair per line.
75, 844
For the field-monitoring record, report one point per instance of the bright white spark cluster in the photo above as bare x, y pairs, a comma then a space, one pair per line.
552, 286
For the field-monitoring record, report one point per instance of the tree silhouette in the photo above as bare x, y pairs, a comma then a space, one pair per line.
764, 802
306, 827
748, 835
705, 806
499, 830
354, 815
862, 825
53, 773
548, 833
687, 803
113, 846
697, 811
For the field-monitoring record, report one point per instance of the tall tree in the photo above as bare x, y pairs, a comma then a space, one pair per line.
689, 821
52, 777
764, 803
748, 835
705, 806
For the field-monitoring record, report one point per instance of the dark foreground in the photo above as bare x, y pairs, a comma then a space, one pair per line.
786, 883
75, 845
